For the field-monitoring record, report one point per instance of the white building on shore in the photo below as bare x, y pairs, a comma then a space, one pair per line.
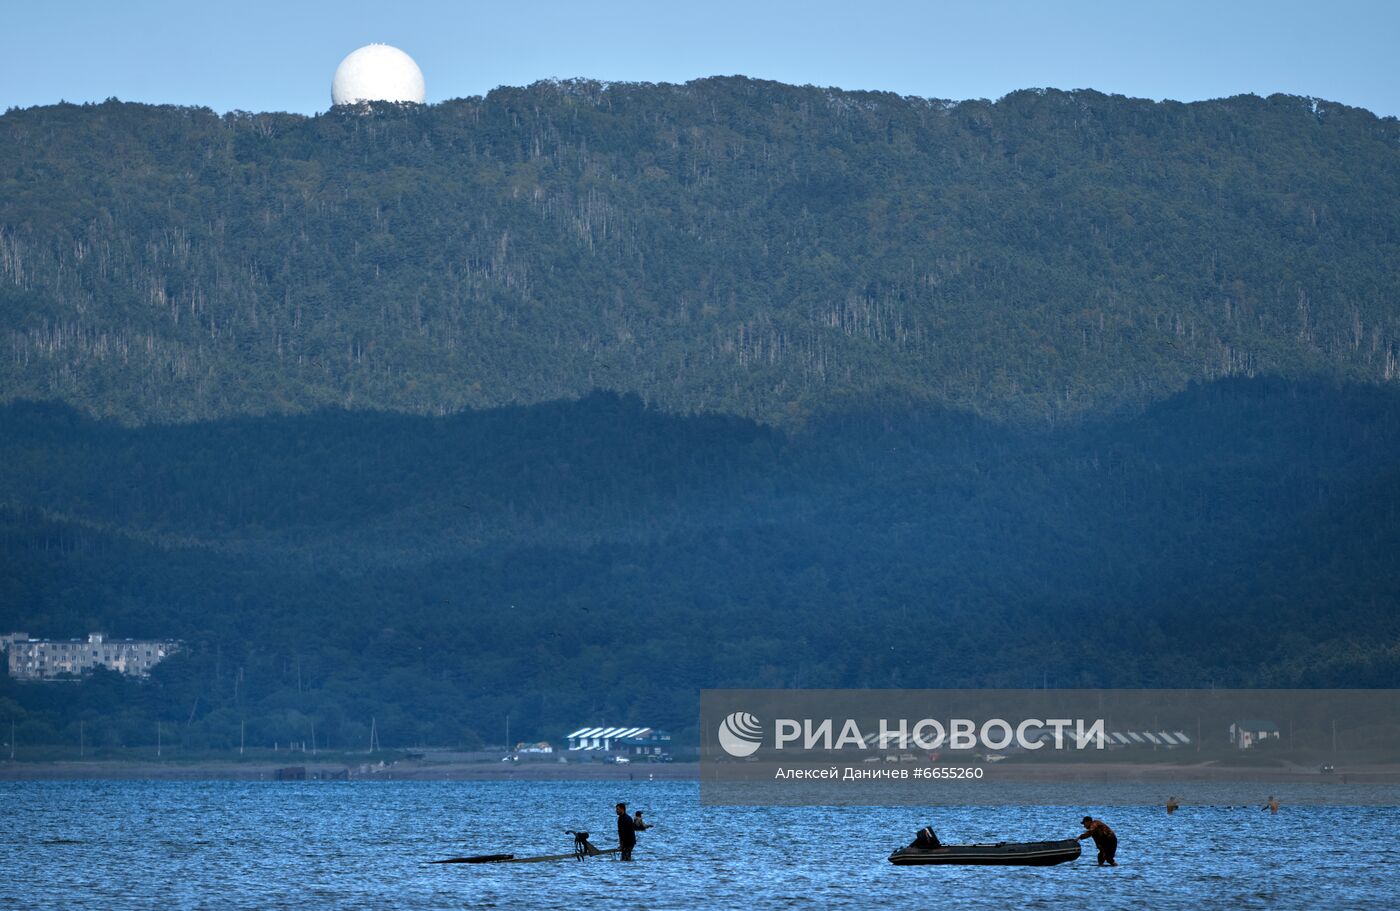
634, 740
43, 659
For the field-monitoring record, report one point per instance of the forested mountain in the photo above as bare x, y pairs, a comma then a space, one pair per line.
602, 560
727, 245
1065, 388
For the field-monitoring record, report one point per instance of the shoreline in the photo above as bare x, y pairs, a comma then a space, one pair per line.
232, 770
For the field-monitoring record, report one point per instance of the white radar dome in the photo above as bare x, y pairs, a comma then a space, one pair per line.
377, 72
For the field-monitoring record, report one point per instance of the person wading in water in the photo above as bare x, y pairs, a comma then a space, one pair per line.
1104, 839
626, 832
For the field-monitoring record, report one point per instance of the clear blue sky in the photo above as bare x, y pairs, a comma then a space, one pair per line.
257, 55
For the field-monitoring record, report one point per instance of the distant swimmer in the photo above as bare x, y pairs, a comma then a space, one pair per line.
1272, 805
1104, 839
1172, 805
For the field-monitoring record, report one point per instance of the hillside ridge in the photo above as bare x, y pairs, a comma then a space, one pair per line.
726, 245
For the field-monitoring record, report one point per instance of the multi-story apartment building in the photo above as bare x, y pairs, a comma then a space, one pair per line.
40, 659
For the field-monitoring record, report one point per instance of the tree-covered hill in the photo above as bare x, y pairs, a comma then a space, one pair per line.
725, 246
1065, 388
602, 560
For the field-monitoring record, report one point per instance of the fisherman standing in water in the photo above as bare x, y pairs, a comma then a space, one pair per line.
626, 832
1172, 805
637, 822
1104, 839
1272, 805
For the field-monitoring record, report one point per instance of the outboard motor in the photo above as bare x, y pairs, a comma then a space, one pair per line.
582, 846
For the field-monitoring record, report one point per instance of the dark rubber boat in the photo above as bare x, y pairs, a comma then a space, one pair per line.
1003, 853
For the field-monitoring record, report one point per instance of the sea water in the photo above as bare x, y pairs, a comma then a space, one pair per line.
363, 844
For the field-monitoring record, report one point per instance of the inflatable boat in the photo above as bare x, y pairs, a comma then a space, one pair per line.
1003, 853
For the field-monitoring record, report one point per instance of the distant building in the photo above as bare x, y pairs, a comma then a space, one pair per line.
541, 747
633, 740
43, 659
1113, 740
1248, 734
1167, 739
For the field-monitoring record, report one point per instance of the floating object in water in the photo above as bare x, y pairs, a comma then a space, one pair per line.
512, 859
479, 859
582, 848
1003, 853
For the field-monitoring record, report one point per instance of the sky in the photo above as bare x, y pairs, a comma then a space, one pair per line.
263, 56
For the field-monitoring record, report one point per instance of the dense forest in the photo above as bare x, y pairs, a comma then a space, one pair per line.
569, 401
727, 245
602, 560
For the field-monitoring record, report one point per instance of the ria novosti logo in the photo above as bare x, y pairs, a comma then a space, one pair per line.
740, 734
